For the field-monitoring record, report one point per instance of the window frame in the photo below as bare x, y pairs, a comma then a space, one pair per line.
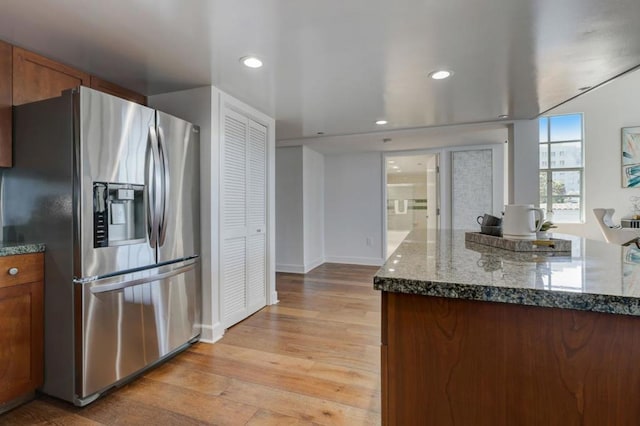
548, 170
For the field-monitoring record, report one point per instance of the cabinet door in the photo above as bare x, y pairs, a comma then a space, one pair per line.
256, 216
5, 104
21, 334
115, 90
243, 217
36, 77
233, 223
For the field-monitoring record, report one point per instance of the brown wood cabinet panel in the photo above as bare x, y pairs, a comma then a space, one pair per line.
384, 382
29, 266
461, 362
113, 89
6, 83
36, 77
21, 340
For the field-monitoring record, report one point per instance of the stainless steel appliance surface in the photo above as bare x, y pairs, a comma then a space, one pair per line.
112, 188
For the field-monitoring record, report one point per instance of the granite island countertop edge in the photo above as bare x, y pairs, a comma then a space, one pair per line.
603, 303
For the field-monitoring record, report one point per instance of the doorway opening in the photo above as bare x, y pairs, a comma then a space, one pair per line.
412, 190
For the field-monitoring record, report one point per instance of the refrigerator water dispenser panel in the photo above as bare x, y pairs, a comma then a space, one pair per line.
118, 214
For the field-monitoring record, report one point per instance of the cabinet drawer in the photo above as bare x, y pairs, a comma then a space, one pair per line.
30, 268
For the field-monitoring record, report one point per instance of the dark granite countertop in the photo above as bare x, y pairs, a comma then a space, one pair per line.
10, 249
596, 276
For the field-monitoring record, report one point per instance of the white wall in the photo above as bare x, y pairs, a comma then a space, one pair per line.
353, 208
289, 210
606, 110
299, 209
313, 201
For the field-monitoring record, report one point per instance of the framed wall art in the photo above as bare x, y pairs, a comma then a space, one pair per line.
631, 157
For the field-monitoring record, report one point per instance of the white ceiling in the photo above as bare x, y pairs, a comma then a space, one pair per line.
407, 139
335, 66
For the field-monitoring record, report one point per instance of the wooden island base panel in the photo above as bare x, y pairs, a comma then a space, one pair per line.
477, 335
463, 362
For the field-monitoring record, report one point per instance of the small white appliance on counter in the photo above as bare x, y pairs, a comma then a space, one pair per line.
521, 221
112, 188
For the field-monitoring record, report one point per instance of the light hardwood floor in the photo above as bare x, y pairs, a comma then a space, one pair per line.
312, 359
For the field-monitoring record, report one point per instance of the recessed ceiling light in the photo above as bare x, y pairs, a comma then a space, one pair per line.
395, 167
502, 116
391, 162
440, 74
251, 61
398, 170
381, 122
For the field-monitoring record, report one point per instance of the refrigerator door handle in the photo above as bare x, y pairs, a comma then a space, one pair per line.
165, 185
153, 189
122, 285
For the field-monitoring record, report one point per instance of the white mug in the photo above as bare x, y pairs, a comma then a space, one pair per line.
519, 221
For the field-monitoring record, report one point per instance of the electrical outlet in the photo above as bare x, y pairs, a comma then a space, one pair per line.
369, 241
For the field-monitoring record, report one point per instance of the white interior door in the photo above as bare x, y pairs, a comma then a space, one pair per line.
243, 218
256, 217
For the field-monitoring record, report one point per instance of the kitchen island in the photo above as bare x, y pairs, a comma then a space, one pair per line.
476, 335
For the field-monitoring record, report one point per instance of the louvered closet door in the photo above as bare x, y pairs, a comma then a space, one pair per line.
233, 230
256, 217
243, 218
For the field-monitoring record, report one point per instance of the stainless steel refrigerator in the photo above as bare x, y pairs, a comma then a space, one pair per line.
112, 188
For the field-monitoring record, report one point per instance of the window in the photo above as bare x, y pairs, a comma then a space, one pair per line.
561, 192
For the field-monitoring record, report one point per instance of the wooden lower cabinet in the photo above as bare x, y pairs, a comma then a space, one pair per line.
21, 326
462, 362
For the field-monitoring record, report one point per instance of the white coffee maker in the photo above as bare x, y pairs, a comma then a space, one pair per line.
520, 220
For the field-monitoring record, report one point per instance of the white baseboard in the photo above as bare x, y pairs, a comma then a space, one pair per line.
373, 261
211, 334
207, 333
274, 298
313, 264
293, 269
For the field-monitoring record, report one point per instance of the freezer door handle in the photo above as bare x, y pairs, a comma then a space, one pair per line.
166, 178
153, 179
122, 285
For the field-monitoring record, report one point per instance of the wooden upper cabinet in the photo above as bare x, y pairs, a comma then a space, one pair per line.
36, 77
113, 89
5, 104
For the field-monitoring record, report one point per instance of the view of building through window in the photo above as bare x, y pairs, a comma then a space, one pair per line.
561, 167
